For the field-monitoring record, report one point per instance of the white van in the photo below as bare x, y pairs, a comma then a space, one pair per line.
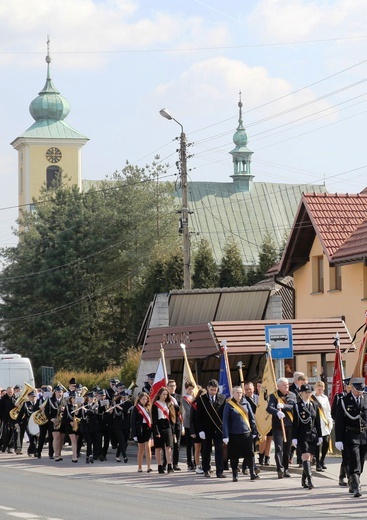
15, 369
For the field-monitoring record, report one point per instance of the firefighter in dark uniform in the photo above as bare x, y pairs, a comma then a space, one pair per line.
351, 431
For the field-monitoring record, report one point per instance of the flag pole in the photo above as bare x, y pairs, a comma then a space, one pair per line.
268, 351
223, 344
188, 369
164, 364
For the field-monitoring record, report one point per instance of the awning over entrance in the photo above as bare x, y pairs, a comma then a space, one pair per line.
312, 336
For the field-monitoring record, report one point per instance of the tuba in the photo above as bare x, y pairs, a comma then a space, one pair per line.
39, 416
14, 412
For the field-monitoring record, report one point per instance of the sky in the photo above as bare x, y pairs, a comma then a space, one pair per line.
301, 66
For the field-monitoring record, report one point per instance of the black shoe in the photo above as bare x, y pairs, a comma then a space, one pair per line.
87, 460
280, 474
160, 469
176, 468
234, 479
126, 459
342, 483
221, 475
319, 467
225, 466
207, 474
245, 471
170, 468
322, 464
254, 477
287, 474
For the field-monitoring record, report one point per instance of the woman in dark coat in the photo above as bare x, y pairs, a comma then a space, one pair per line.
141, 429
239, 429
163, 419
306, 432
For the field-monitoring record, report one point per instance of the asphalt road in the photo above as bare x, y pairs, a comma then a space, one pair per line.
43, 489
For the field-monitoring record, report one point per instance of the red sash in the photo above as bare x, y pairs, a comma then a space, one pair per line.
189, 401
144, 413
163, 410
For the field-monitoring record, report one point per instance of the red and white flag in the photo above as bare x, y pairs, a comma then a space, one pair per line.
159, 380
337, 384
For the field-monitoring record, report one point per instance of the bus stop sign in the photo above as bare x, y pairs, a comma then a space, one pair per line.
280, 339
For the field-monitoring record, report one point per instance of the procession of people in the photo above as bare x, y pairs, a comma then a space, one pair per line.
97, 421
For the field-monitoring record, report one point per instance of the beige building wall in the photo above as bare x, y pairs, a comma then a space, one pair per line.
33, 164
349, 302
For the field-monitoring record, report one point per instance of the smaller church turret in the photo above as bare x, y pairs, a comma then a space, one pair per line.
241, 156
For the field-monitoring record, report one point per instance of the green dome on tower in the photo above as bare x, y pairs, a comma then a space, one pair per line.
49, 104
240, 136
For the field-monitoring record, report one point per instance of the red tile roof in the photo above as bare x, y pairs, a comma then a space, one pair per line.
355, 247
335, 217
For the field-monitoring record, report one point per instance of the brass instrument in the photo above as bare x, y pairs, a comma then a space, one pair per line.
84, 391
14, 412
39, 416
59, 415
62, 386
75, 423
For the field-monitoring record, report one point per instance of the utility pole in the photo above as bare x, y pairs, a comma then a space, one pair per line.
184, 228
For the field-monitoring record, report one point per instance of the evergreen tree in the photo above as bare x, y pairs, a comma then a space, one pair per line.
268, 255
232, 270
205, 269
68, 288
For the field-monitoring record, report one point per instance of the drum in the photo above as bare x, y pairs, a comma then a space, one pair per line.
33, 428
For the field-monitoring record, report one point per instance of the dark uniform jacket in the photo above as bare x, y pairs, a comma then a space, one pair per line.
351, 420
234, 423
209, 416
301, 413
252, 403
288, 400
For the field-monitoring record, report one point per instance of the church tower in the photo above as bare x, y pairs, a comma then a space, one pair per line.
49, 151
241, 156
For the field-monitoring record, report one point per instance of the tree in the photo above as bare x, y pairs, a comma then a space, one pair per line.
68, 287
205, 269
268, 256
232, 270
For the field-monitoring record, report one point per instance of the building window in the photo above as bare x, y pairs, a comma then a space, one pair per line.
317, 274
53, 177
336, 278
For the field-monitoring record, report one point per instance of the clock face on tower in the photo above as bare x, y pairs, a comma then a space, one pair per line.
53, 155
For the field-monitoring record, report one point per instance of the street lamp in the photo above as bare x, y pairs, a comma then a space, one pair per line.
184, 211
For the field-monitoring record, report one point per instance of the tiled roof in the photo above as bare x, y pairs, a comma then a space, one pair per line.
335, 217
355, 247
221, 210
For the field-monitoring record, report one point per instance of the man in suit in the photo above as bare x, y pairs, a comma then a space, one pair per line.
351, 431
209, 411
176, 398
280, 406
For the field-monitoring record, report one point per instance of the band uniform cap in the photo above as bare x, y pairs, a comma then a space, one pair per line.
113, 381
123, 394
72, 394
44, 388
72, 381
32, 394
120, 385
95, 389
17, 387
305, 388
90, 394
213, 382
358, 383
101, 392
79, 386
346, 381
57, 389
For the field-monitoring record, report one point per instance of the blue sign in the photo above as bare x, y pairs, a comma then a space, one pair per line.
280, 339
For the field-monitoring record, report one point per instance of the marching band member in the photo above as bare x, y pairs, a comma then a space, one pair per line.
47, 428
104, 419
117, 413
148, 384
54, 412
25, 412
141, 429
90, 428
70, 423
7, 404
